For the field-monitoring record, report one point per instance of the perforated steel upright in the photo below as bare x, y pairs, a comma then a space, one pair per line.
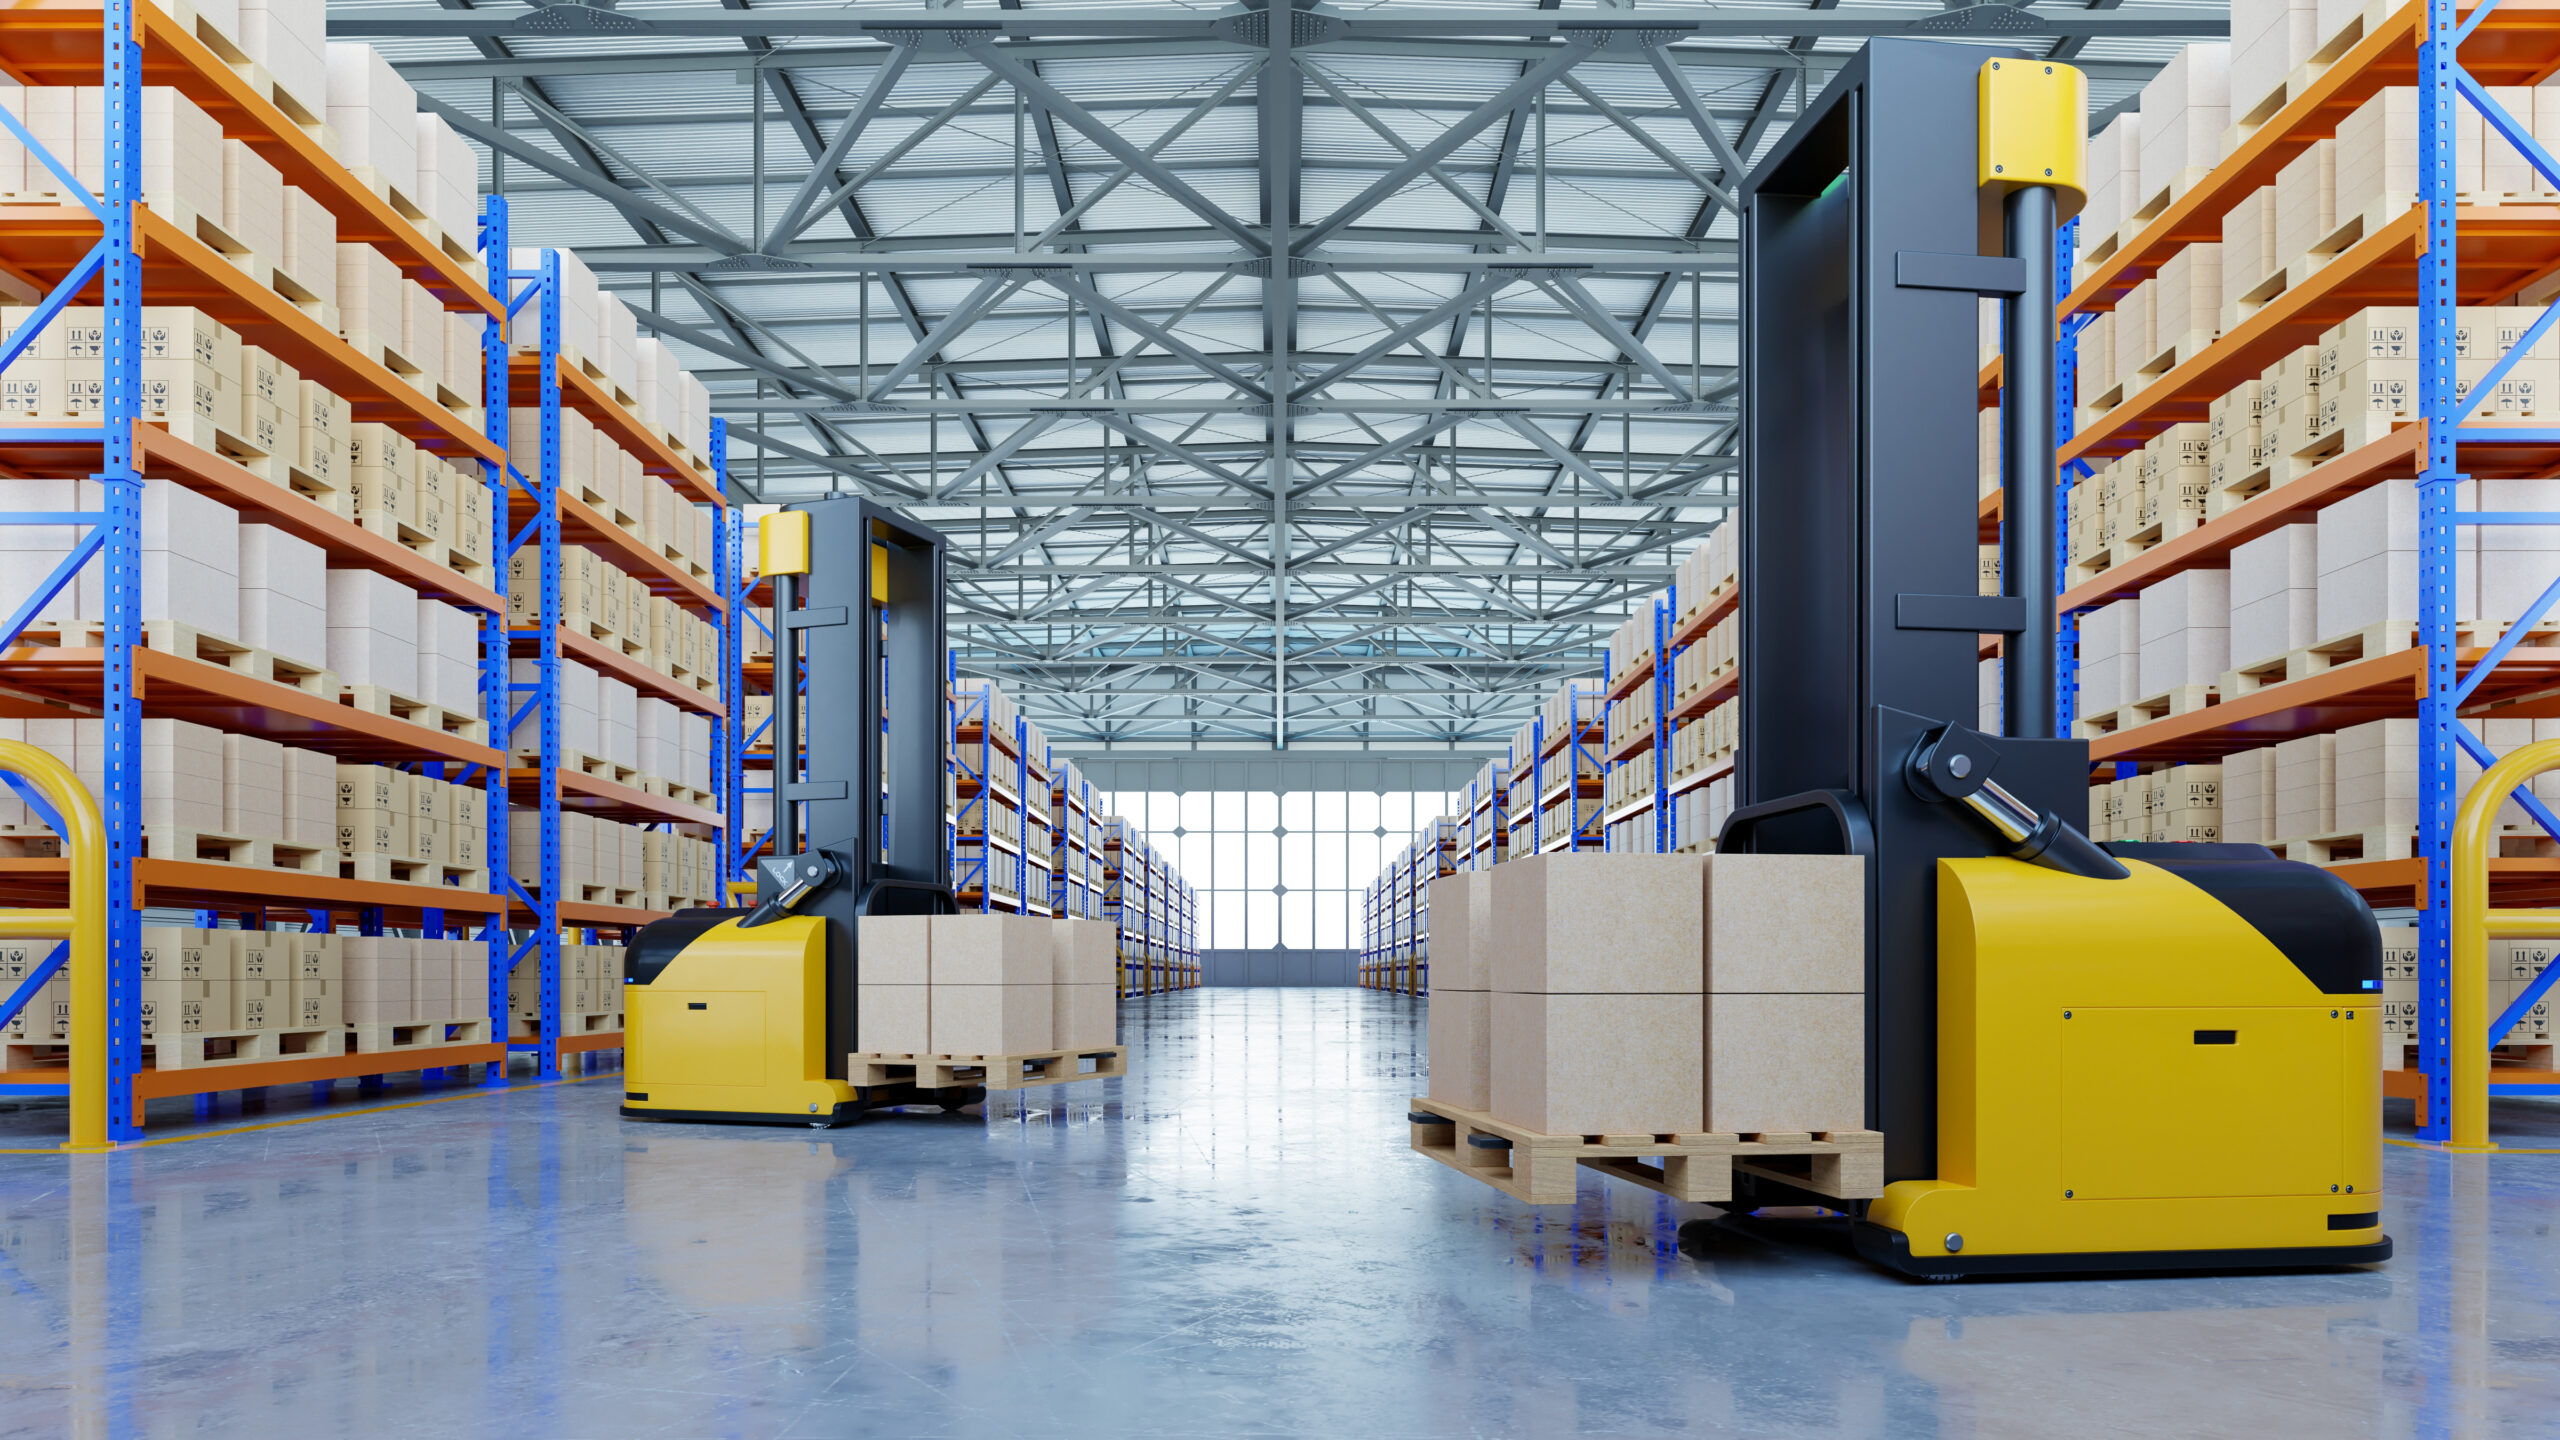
541, 694
495, 707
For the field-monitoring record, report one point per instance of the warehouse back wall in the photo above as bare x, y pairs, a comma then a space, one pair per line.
1279, 845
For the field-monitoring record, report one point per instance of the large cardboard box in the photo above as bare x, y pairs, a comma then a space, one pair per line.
1462, 931
1460, 1032
1786, 923
1084, 1017
1598, 1064
1598, 924
1009, 1019
892, 1019
990, 950
1786, 1062
893, 949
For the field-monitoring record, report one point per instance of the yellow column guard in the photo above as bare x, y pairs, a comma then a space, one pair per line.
85, 923
2475, 841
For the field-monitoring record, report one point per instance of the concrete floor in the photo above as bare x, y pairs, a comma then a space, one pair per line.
1232, 1242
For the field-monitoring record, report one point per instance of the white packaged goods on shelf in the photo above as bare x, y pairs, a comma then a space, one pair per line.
2133, 329
2248, 796
374, 112
2185, 626
421, 331
2378, 150
696, 749
1987, 700
2377, 771
620, 337
284, 594
2368, 546
29, 553
290, 38
579, 297
2517, 562
310, 244
2185, 109
2249, 242
618, 721
2268, 39
448, 176
310, 800
463, 361
659, 404
2188, 305
2110, 656
373, 630
190, 560
181, 145
448, 657
369, 297
2115, 173
2275, 594
658, 741
694, 400
2307, 201
252, 786
2306, 787
252, 200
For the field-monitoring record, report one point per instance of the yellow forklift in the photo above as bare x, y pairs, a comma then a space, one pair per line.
747, 1014
2083, 1057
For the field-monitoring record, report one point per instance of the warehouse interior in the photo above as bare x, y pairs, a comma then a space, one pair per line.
962, 717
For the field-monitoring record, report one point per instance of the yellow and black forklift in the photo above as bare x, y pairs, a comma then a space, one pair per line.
747, 1014
2083, 1057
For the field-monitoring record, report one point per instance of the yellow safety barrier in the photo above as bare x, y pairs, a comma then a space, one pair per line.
84, 923
2475, 843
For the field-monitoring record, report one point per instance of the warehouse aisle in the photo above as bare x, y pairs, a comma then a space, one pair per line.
1234, 1241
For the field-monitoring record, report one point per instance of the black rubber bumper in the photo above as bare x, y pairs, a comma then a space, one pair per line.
1892, 1250
844, 1114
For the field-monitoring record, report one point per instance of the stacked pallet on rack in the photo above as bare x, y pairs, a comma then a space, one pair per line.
2254, 334
1004, 836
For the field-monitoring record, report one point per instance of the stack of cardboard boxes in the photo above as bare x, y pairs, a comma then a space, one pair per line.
591, 980
1654, 994
395, 825
408, 981
607, 862
985, 985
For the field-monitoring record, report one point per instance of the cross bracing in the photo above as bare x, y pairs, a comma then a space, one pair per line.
1337, 382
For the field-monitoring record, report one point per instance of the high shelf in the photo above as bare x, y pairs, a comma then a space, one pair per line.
117, 250
542, 512
2452, 244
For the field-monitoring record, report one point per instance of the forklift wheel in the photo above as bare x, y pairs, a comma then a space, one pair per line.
956, 1097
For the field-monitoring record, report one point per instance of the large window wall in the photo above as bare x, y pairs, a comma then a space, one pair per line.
1279, 869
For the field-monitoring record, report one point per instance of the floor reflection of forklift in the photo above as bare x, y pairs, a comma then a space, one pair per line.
2082, 1057
747, 1014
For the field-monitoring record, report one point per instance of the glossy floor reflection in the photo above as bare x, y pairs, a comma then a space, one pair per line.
1233, 1241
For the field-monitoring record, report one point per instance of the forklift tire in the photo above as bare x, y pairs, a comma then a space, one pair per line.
956, 1097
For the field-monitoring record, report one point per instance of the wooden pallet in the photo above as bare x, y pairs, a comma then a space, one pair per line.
1539, 1169
172, 637
379, 1037
2158, 532
389, 870
380, 700
174, 842
996, 1072
2184, 700
201, 1051
2349, 847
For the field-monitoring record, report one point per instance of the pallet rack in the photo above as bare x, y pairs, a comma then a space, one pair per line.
2406, 258
539, 511
120, 250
